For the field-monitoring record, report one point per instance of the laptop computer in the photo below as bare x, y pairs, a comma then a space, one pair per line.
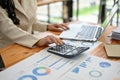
87, 32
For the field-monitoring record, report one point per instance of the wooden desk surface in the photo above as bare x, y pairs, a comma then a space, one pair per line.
44, 2
15, 53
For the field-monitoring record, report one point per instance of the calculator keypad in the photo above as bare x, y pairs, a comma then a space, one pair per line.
67, 50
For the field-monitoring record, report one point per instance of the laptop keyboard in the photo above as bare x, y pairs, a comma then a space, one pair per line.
87, 32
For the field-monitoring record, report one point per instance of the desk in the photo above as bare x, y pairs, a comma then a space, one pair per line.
15, 53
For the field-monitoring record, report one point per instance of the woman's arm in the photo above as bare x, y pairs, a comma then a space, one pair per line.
15, 33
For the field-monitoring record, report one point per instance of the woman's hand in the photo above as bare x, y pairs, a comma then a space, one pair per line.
48, 40
57, 27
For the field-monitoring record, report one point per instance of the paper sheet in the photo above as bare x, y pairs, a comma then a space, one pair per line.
93, 68
46, 66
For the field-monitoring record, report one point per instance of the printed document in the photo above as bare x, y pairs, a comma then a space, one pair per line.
46, 66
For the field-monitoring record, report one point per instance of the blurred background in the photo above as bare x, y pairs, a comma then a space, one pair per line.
94, 11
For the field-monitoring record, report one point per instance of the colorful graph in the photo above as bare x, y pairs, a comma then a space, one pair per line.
95, 73
41, 71
83, 64
104, 64
76, 70
28, 77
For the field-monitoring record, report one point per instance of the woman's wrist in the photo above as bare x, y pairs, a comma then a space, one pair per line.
37, 43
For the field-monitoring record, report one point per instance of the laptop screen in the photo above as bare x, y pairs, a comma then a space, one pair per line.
109, 17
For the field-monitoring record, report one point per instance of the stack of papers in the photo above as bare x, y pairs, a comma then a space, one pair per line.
116, 33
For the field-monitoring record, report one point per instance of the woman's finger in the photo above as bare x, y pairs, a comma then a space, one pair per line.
55, 40
62, 26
